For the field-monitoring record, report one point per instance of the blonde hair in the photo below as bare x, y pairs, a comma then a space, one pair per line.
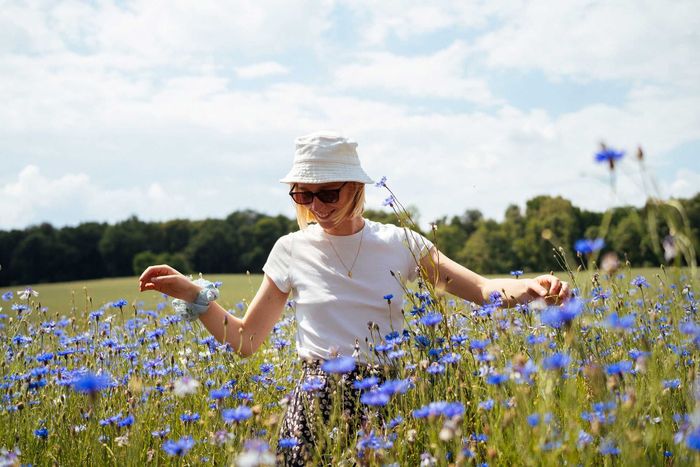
355, 208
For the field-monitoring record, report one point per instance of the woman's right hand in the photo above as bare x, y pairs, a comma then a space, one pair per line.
169, 281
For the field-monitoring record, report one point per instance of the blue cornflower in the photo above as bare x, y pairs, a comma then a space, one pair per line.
496, 379
180, 447
672, 383
640, 281
623, 366
366, 383
96, 315
42, 433
556, 361
390, 201
451, 357
287, 443
434, 409
238, 414
586, 246
7, 296
583, 439
517, 273
487, 404
431, 319
375, 398
381, 183
620, 322
533, 419
266, 368
217, 394
398, 386
435, 369
479, 344
161, 433
558, 316
609, 155
312, 384
91, 383
339, 365
693, 439
45, 357
608, 447
190, 417
388, 297
121, 303
126, 421
373, 442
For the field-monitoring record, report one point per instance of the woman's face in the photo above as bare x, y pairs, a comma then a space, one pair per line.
324, 211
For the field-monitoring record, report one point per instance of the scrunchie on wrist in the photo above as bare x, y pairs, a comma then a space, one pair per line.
190, 311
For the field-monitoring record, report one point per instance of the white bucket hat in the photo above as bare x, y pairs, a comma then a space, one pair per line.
325, 157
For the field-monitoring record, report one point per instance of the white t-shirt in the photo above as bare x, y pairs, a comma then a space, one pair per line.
332, 309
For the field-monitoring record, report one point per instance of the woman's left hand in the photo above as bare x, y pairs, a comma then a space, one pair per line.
557, 291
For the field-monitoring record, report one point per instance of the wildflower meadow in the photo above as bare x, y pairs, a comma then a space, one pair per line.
608, 378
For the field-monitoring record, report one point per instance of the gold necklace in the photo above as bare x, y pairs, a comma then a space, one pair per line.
359, 247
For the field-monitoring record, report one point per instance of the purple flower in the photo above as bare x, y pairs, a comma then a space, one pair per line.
339, 365
517, 273
7, 296
390, 201
178, 448
238, 414
381, 183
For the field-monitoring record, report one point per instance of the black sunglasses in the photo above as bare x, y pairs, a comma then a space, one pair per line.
307, 197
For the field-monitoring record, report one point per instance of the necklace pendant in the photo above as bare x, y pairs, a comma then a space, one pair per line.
350, 274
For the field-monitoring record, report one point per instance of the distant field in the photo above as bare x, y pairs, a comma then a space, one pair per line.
60, 297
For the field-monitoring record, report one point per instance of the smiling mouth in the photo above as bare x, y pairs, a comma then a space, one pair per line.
323, 216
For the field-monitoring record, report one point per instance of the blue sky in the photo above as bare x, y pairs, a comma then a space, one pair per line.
189, 110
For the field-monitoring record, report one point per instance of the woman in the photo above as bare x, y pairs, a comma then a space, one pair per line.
339, 270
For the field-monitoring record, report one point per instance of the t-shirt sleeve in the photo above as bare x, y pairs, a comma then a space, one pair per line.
418, 247
277, 265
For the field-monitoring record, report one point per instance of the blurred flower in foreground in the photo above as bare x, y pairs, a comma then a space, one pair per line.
91, 383
255, 452
180, 447
26, 293
185, 386
586, 246
608, 155
339, 365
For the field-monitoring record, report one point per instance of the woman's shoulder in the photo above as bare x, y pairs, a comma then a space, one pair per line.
385, 231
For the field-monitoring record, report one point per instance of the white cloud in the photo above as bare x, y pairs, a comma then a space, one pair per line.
261, 70
441, 75
632, 40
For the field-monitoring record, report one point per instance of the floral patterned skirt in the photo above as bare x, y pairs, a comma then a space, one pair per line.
310, 407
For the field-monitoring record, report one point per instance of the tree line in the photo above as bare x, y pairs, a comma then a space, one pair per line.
524, 240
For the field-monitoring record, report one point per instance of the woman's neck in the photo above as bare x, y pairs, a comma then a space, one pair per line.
347, 227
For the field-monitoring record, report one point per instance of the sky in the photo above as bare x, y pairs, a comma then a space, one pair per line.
174, 109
